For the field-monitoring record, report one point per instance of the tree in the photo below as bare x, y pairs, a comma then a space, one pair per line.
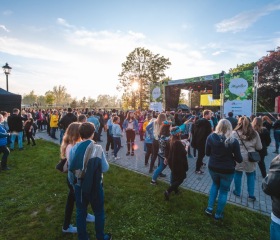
30, 98
243, 67
269, 81
142, 67
74, 103
50, 98
41, 100
91, 102
83, 102
61, 95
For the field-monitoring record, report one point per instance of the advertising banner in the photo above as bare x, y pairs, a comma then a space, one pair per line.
156, 97
238, 93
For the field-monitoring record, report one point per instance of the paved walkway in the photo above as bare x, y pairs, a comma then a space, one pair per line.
194, 182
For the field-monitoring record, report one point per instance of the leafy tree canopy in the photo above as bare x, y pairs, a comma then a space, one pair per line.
142, 67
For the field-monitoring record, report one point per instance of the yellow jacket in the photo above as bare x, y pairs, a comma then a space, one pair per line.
54, 121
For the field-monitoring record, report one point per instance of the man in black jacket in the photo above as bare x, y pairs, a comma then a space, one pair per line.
200, 131
270, 186
65, 122
16, 128
232, 120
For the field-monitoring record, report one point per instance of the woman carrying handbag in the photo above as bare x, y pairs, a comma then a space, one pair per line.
249, 141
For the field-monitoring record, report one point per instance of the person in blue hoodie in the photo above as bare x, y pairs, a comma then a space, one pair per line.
224, 152
86, 165
3, 144
117, 134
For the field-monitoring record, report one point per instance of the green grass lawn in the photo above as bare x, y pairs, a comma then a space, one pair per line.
33, 196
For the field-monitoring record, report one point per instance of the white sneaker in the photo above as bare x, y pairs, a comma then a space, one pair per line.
117, 158
90, 218
70, 229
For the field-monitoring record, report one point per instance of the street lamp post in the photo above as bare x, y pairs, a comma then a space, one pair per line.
7, 70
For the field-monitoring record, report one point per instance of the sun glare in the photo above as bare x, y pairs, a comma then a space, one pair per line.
135, 86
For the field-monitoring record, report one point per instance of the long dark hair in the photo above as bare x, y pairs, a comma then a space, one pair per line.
164, 130
128, 116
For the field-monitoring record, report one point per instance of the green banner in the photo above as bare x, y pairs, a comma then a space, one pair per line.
238, 93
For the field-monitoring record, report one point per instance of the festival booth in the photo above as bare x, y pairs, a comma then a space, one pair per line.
232, 92
9, 101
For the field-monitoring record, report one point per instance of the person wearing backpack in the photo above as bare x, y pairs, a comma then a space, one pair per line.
87, 163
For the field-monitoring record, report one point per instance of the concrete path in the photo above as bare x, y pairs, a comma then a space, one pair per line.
194, 182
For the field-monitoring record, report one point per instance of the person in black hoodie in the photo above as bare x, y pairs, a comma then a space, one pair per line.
270, 186
65, 122
265, 139
200, 131
224, 151
176, 157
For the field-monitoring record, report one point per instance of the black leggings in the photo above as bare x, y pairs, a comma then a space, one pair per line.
110, 141
155, 148
262, 166
29, 136
175, 185
69, 206
130, 137
149, 151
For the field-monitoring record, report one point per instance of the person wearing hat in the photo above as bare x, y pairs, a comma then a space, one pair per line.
176, 158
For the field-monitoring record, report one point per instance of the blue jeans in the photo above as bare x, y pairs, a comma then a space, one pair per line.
97, 205
117, 145
53, 130
13, 138
221, 184
274, 231
159, 169
250, 182
62, 131
277, 139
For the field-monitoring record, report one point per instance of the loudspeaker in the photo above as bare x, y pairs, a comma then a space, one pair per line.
216, 89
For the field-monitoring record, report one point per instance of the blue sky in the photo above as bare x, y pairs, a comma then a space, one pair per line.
82, 44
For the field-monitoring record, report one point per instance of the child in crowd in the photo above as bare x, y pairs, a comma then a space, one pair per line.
117, 134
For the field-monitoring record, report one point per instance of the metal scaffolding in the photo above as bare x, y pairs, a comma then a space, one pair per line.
255, 89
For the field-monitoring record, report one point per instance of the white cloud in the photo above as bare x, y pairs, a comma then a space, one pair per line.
217, 53
244, 20
88, 62
4, 28
64, 23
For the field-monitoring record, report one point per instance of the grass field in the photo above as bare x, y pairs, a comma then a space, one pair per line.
33, 196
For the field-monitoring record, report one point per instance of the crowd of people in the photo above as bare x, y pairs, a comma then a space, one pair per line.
168, 137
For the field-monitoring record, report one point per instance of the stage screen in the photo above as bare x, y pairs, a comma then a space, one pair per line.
207, 100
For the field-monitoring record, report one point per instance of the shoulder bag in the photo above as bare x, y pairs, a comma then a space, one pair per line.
252, 156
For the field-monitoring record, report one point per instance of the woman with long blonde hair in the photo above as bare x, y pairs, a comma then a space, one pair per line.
154, 127
249, 141
70, 138
223, 151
